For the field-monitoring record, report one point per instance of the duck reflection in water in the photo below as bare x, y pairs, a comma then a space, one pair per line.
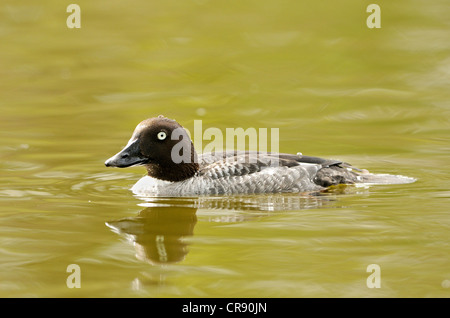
160, 231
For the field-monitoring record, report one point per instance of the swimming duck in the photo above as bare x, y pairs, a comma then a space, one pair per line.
175, 169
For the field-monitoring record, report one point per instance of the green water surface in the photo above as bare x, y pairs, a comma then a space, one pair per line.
70, 99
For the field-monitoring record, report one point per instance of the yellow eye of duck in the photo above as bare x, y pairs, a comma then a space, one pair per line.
161, 135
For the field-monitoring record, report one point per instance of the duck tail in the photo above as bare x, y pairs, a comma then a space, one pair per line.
343, 173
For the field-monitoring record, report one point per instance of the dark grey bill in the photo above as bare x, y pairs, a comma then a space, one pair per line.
129, 156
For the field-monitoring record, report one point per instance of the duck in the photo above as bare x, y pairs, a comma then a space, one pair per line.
175, 169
